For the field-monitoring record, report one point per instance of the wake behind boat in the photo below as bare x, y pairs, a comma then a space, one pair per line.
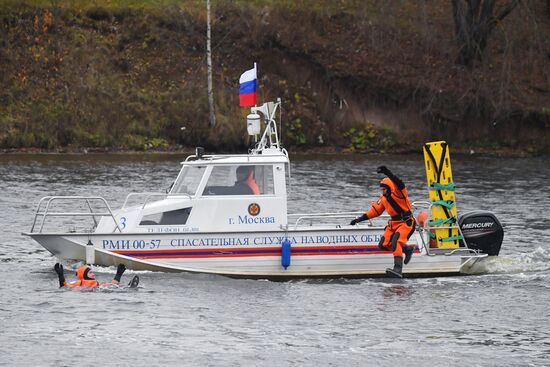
227, 214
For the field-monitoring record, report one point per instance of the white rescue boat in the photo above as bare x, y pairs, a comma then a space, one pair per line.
210, 222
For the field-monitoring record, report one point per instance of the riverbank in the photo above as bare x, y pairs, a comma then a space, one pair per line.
353, 76
313, 151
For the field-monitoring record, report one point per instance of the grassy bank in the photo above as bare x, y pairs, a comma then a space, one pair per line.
353, 75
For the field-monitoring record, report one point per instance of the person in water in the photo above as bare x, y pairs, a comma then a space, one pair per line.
394, 200
246, 184
86, 277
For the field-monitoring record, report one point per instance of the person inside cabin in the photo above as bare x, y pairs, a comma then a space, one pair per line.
86, 277
246, 183
401, 226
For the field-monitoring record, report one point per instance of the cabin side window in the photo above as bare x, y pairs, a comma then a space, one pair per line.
172, 217
240, 180
189, 180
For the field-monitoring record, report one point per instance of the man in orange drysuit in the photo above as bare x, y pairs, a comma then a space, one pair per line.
395, 201
86, 277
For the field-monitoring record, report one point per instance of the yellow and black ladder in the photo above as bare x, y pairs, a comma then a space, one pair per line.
444, 221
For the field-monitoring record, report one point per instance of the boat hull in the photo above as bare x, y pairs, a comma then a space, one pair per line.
314, 253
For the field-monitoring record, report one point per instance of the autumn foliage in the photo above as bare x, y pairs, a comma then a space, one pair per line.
358, 75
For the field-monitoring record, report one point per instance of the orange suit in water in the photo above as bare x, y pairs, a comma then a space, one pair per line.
86, 277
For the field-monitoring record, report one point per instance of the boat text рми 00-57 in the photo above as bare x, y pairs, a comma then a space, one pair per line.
227, 214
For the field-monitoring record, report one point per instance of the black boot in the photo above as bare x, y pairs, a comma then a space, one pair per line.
59, 270
119, 271
408, 250
397, 271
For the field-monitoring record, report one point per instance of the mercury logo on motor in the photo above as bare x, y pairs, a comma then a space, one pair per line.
477, 225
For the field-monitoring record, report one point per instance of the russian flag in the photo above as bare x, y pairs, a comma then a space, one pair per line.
247, 89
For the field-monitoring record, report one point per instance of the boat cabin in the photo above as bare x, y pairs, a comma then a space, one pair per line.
214, 194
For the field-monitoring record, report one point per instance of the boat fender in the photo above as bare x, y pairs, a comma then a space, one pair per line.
285, 253
90, 253
422, 219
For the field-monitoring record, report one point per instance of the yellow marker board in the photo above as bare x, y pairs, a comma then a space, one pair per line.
442, 196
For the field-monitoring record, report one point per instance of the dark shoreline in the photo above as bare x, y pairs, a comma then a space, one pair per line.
323, 151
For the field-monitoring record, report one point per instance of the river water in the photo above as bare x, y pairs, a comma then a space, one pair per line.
500, 318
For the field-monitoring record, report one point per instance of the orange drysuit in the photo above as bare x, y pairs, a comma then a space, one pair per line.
401, 225
84, 278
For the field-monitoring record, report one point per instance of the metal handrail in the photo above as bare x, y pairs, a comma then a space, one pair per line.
91, 210
147, 196
421, 233
466, 249
422, 204
323, 214
211, 157
303, 216
49, 199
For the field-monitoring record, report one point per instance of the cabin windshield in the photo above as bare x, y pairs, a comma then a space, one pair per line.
240, 180
188, 181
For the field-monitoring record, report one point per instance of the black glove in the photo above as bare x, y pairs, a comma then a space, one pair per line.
391, 176
384, 170
58, 269
119, 271
358, 219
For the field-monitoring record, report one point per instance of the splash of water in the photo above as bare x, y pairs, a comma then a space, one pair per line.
536, 261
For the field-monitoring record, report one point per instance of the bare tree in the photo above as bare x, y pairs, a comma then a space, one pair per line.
209, 66
474, 21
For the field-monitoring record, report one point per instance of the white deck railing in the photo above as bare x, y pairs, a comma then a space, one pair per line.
44, 211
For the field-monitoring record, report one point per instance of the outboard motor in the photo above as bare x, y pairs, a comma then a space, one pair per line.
482, 231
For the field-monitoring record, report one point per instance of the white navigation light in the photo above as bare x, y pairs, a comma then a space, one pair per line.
253, 124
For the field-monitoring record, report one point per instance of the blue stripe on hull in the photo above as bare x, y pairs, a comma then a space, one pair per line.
276, 251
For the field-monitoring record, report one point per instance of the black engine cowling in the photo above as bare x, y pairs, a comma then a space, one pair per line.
482, 231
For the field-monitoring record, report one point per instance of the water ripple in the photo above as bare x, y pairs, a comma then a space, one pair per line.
192, 319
